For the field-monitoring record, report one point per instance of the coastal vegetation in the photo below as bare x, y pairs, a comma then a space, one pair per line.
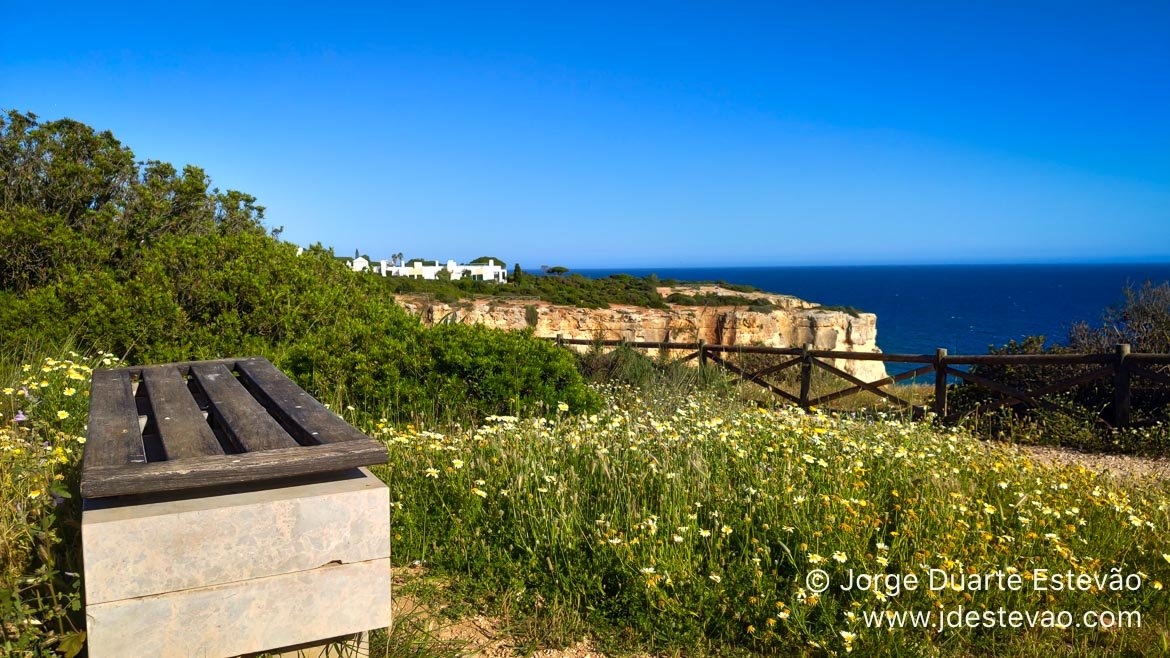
1141, 320
690, 523
681, 520
571, 290
155, 265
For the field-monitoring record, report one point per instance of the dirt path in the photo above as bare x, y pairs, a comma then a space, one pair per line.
418, 622
1124, 466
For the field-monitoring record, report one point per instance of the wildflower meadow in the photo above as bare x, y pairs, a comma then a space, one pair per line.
679, 523
692, 525
43, 408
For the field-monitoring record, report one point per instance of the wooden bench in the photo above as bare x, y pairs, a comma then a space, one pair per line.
226, 511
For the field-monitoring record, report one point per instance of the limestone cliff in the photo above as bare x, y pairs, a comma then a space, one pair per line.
790, 322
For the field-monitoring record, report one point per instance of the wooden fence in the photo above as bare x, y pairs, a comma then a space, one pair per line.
1119, 367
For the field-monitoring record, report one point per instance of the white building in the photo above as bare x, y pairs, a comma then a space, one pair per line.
360, 264
490, 271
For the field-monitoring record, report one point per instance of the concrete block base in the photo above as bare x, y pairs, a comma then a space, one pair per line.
238, 571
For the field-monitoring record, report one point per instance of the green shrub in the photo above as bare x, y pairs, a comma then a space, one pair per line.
621, 365
175, 270
664, 376
382, 362
491, 372
1142, 320
849, 310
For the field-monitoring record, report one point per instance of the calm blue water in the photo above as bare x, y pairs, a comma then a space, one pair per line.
964, 308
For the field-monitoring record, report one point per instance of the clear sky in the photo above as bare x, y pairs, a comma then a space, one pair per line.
641, 134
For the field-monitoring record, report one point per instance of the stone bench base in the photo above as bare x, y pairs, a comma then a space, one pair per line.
238, 571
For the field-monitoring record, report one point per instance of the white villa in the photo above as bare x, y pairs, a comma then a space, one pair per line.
489, 271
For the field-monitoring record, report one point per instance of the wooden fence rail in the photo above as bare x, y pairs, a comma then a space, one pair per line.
1119, 366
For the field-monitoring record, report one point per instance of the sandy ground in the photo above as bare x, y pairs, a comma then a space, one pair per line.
478, 635
1122, 466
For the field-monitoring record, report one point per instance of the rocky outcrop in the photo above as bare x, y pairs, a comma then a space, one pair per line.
784, 322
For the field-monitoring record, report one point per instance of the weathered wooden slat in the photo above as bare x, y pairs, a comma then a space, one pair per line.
183, 366
940, 383
771, 387
302, 416
1029, 359
1150, 374
1149, 357
1002, 389
236, 413
1054, 387
863, 384
221, 470
114, 437
1122, 394
806, 368
872, 356
638, 344
958, 359
183, 430
684, 359
771, 370
753, 349
854, 390
1160, 419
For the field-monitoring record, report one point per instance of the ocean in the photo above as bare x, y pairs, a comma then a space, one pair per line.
964, 308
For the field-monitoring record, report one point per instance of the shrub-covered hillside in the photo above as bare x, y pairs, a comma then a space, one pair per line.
571, 289
155, 264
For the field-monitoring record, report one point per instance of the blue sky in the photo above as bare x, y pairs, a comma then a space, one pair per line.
662, 134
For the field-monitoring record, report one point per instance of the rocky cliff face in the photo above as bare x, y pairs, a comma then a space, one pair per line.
791, 322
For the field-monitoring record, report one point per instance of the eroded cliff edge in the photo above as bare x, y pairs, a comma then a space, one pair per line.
773, 321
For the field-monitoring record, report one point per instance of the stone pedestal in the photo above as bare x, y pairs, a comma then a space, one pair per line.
237, 571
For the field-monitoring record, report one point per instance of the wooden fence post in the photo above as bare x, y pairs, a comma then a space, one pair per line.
805, 375
560, 341
940, 383
702, 353
1121, 391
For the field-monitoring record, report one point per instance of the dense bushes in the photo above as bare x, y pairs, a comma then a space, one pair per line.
653, 376
154, 265
384, 363
572, 290
575, 290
